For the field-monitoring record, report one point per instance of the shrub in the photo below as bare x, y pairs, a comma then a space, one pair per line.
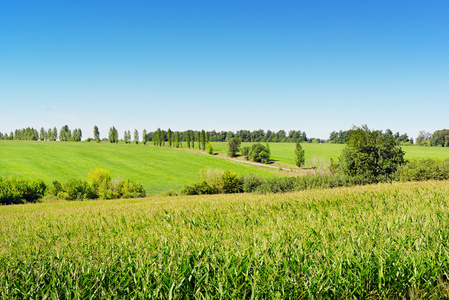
199, 188
213, 178
129, 189
251, 182
276, 185
259, 153
78, 190
231, 182
214, 182
426, 169
209, 148
99, 177
17, 191
245, 152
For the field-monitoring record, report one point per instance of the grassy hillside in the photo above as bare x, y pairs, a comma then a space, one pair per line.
284, 152
158, 169
376, 242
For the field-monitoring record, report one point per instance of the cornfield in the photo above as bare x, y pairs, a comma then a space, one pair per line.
378, 241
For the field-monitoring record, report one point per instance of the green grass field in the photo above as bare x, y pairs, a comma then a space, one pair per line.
158, 169
385, 241
284, 152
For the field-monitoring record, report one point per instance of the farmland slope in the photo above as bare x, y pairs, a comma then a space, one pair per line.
158, 169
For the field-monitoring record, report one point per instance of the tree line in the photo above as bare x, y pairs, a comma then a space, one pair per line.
200, 138
31, 134
342, 136
168, 137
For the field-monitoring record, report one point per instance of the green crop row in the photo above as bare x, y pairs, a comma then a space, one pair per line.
377, 241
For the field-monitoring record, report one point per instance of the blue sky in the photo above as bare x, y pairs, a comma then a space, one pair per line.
315, 66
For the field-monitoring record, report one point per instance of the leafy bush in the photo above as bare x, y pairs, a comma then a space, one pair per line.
231, 182
199, 188
209, 148
213, 178
78, 190
259, 153
17, 191
251, 182
277, 185
214, 181
245, 152
100, 185
427, 169
129, 189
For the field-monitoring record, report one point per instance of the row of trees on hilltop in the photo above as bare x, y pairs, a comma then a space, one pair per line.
342, 136
31, 134
199, 139
172, 138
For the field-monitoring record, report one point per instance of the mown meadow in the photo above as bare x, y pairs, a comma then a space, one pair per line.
283, 152
157, 169
377, 241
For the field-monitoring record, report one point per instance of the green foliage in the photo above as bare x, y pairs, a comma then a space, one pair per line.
245, 152
214, 181
300, 157
188, 139
233, 146
96, 133
203, 139
17, 191
113, 135
209, 148
99, 185
129, 189
259, 153
251, 182
198, 188
440, 138
423, 169
370, 155
144, 136
231, 182
78, 190
136, 136
99, 177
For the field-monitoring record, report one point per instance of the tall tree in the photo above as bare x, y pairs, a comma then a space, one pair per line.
169, 136
144, 136
113, 135
370, 155
233, 146
188, 139
177, 139
300, 157
203, 139
96, 133
136, 136
42, 134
